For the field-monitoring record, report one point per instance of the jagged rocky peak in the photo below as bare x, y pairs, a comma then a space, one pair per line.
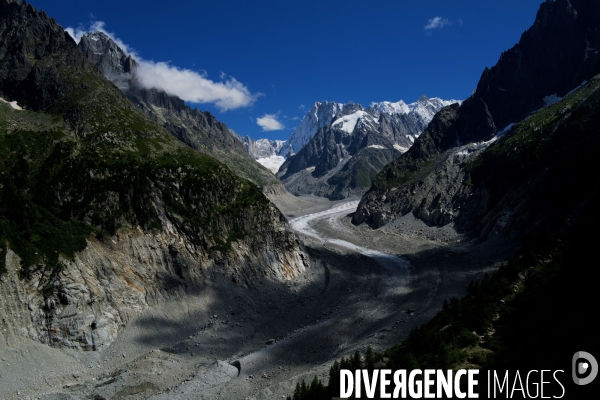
261, 148
320, 115
22, 46
110, 59
343, 155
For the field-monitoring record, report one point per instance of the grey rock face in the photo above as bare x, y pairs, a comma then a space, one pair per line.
109, 58
435, 198
29, 71
319, 116
113, 280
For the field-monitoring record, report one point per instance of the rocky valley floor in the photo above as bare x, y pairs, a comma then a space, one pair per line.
364, 287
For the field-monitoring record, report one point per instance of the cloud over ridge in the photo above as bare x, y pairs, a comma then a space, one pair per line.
189, 85
269, 122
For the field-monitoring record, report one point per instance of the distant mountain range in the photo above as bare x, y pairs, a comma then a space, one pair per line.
264, 151
338, 148
398, 124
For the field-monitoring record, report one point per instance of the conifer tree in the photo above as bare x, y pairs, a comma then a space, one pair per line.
370, 359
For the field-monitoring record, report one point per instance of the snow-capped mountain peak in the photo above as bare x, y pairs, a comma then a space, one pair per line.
348, 123
263, 150
387, 107
319, 116
425, 107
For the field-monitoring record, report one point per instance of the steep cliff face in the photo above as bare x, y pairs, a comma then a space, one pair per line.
558, 52
108, 57
552, 58
103, 211
34, 53
199, 130
86, 304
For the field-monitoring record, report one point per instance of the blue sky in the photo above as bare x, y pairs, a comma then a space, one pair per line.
267, 62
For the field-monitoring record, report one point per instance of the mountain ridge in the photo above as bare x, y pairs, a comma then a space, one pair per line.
433, 179
349, 148
198, 129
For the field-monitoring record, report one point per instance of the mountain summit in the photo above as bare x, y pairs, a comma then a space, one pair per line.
341, 147
103, 52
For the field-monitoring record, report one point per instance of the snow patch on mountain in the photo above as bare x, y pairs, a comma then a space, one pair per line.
387, 107
400, 148
13, 104
348, 118
424, 108
272, 163
319, 116
348, 122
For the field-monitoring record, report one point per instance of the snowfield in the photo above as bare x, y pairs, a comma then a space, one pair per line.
272, 163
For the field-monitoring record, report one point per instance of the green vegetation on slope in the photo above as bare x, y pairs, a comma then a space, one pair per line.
86, 161
55, 190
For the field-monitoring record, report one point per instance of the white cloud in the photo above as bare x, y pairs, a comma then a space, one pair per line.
269, 122
193, 86
436, 23
189, 85
76, 33
302, 106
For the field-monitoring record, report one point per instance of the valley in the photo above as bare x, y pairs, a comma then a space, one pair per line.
147, 250
363, 288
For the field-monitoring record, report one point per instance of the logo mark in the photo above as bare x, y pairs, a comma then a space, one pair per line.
584, 364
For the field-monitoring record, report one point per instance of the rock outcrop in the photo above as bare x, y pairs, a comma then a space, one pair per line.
85, 305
